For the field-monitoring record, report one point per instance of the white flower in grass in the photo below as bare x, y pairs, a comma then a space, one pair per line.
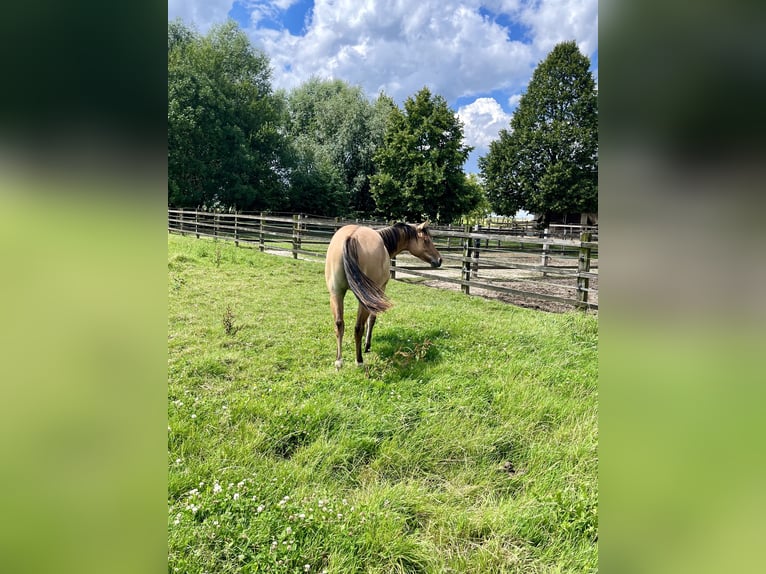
217, 487
194, 416
260, 508
235, 496
306, 567
288, 530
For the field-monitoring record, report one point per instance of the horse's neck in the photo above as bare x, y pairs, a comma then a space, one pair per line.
401, 246
395, 240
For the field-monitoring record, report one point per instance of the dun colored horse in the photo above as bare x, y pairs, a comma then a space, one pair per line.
359, 258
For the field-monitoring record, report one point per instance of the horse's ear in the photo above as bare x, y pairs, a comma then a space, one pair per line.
423, 225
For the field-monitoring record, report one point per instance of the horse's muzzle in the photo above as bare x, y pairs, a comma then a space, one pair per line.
436, 262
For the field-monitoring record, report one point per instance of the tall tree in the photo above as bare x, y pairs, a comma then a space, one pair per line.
225, 146
420, 164
548, 162
335, 131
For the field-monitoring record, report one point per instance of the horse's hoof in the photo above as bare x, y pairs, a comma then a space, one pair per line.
359, 364
338, 364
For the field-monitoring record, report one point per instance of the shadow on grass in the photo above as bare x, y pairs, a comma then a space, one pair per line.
404, 352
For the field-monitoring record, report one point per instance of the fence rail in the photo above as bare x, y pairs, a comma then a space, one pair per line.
500, 259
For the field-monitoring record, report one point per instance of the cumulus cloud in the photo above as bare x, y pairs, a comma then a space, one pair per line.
455, 47
554, 21
399, 47
482, 120
201, 13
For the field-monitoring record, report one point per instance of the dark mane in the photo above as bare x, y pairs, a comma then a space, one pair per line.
393, 235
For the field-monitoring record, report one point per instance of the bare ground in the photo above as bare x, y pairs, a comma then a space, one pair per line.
520, 279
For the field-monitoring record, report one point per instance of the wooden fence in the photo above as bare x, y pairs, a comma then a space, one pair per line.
516, 263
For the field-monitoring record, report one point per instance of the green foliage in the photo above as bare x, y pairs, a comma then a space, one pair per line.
334, 131
420, 164
475, 188
225, 148
548, 161
468, 444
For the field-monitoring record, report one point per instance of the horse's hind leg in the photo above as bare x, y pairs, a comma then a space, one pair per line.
368, 336
336, 305
361, 321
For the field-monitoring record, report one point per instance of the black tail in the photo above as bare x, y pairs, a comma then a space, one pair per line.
370, 295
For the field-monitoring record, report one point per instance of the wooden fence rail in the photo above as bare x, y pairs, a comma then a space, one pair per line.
531, 267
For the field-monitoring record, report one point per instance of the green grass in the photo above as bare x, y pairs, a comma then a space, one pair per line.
468, 443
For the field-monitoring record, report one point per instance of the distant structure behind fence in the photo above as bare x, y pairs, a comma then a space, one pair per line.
513, 259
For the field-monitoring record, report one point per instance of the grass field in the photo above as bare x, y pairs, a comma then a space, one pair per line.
468, 443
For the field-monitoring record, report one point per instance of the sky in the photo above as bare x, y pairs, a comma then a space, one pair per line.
478, 54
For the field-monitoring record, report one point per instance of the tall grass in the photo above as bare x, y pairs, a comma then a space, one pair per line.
468, 443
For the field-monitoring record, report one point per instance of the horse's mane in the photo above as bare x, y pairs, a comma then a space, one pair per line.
392, 235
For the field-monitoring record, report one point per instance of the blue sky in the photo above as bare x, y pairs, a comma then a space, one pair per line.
478, 54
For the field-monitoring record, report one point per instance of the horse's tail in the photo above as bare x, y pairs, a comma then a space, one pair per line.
370, 295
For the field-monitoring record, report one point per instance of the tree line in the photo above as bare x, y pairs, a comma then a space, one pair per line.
325, 148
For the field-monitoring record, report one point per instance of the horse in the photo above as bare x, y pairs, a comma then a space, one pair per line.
359, 258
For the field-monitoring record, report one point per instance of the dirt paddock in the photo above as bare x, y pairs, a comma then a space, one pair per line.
520, 279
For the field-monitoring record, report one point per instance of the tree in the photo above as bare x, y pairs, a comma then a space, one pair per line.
225, 141
548, 162
420, 164
335, 131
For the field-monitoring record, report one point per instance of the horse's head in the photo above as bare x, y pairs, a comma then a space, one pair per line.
422, 246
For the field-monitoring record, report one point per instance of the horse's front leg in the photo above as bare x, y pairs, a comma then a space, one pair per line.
336, 305
368, 336
361, 320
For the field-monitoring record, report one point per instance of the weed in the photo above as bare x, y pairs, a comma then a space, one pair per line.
229, 325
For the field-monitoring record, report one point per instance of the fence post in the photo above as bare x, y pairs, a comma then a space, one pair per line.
475, 253
546, 249
466, 270
296, 234
583, 266
236, 237
261, 243
216, 222
393, 268
196, 223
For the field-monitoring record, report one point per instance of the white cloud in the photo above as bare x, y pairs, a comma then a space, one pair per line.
201, 13
554, 21
400, 46
482, 120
